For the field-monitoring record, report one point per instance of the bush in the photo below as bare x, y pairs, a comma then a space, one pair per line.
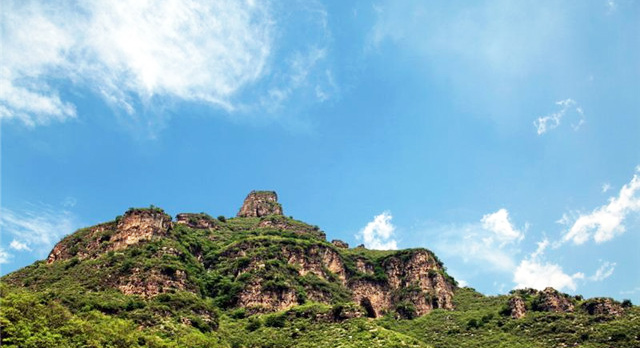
275, 320
253, 324
406, 310
473, 324
626, 303
221, 218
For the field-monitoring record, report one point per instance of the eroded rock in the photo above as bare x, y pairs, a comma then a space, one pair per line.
340, 244
199, 221
602, 306
260, 203
550, 300
517, 307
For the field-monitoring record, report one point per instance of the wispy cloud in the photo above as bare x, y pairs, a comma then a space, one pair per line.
5, 257
378, 233
606, 187
16, 245
136, 55
546, 123
493, 241
607, 221
630, 292
37, 228
604, 272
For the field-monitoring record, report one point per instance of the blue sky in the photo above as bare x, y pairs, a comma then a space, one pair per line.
504, 136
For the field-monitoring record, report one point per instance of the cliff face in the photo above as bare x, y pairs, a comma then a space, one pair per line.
135, 226
260, 203
262, 261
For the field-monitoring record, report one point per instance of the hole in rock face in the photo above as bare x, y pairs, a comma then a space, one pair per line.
366, 304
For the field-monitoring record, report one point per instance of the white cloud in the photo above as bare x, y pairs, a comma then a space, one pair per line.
604, 272
499, 224
535, 272
532, 273
4, 256
492, 242
19, 245
378, 233
630, 292
552, 121
606, 222
606, 187
462, 283
542, 246
138, 54
39, 227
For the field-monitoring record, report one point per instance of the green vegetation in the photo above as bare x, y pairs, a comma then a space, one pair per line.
188, 284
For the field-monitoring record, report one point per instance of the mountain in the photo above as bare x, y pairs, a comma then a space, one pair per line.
262, 279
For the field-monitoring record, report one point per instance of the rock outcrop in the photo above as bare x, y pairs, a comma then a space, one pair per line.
140, 224
414, 277
260, 203
340, 244
550, 300
199, 221
602, 306
135, 226
517, 307
412, 280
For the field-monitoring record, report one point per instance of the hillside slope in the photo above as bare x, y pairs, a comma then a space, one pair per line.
262, 279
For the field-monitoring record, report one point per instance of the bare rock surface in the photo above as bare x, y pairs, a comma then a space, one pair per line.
517, 307
260, 203
602, 306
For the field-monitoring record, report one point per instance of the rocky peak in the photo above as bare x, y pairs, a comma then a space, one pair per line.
550, 300
136, 225
140, 224
260, 203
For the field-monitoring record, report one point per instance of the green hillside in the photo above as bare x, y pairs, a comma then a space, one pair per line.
146, 280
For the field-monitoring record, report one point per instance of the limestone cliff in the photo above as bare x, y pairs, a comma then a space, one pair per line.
260, 203
135, 226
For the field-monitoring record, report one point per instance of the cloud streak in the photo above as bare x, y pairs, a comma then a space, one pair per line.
546, 123
5, 257
604, 272
138, 54
493, 241
607, 221
37, 228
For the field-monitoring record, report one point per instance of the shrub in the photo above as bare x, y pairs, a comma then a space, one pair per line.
473, 324
253, 324
275, 320
221, 218
406, 310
